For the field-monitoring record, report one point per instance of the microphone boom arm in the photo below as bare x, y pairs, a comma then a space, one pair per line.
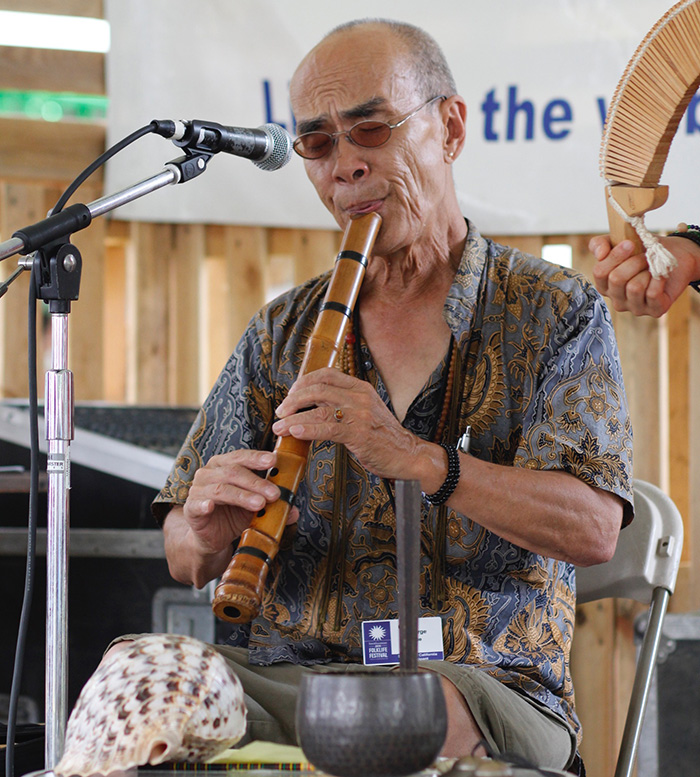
79, 216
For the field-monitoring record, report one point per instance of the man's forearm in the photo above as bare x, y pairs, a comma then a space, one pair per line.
549, 512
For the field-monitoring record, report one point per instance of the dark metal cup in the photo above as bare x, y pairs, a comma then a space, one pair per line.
371, 724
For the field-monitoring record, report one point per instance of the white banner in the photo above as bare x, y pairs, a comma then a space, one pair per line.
537, 77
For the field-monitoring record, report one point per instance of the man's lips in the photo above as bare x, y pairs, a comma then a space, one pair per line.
367, 206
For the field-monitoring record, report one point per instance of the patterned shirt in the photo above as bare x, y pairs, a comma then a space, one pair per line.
541, 387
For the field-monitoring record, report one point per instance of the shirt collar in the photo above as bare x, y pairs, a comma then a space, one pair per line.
463, 295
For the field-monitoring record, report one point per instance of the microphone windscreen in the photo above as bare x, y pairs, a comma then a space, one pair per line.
280, 148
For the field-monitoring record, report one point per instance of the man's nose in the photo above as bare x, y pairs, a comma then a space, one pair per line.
350, 162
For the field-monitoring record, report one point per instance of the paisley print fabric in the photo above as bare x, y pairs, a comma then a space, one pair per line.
540, 386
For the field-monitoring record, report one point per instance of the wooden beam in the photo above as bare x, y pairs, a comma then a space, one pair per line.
245, 257
692, 542
92, 8
51, 70
315, 252
48, 151
638, 341
147, 314
528, 244
86, 329
679, 397
185, 257
114, 315
20, 205
593, 672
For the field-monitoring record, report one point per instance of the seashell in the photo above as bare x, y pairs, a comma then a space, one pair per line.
162, 697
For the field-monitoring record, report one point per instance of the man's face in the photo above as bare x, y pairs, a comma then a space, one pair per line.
364, 73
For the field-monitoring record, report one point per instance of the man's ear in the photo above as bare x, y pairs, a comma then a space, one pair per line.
454, 116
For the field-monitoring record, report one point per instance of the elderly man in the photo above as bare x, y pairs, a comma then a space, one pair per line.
450, 330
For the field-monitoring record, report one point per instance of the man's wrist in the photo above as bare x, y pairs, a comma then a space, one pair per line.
449, 485
691, 232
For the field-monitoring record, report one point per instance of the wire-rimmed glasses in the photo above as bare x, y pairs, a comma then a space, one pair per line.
368, 133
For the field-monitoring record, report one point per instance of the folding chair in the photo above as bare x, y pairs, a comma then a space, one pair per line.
644, 568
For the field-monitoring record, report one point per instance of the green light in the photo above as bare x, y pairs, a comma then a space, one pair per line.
53, 106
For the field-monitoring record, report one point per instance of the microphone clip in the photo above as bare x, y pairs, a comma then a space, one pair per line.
189, 166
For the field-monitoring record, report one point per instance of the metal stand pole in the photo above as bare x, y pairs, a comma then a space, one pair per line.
59, 432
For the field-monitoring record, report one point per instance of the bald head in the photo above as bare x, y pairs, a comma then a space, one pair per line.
429, 67
416, 54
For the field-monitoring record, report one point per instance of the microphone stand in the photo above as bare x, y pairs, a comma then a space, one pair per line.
56, 269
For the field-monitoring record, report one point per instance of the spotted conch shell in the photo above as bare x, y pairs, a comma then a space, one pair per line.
162, 697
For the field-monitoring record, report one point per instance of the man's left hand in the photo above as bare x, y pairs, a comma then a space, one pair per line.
327, 404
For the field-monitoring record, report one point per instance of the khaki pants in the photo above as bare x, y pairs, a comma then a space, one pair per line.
511, 723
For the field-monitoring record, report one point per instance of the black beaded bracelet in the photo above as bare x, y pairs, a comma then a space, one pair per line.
692, 233
447, 488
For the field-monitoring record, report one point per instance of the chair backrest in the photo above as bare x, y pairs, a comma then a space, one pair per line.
644, 568
647, 556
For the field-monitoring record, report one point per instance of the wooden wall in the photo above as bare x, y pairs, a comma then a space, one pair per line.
161, 307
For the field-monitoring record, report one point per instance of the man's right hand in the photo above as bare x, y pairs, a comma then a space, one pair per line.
225, 495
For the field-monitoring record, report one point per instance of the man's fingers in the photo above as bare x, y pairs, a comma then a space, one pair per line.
600, 246
251, 459
230, 479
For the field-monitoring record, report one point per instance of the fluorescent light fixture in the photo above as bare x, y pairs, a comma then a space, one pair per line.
53, 31
558, 253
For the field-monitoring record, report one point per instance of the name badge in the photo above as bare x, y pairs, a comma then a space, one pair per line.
380, 641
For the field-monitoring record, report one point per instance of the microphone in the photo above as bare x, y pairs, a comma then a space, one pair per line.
269, 147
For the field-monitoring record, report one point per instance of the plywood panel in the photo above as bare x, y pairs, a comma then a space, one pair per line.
147, 314
679, 392
582, 259
529, 244
593, 669
48, 152
91, 8
52, 70
86, 327
315, 251
184, 257
640, 355
114, 320
213, 305
234, 285
692, 543
20, 205
245, 254
24, 204
625, 662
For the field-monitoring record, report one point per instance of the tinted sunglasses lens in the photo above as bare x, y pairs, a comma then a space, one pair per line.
370, 133
313, 145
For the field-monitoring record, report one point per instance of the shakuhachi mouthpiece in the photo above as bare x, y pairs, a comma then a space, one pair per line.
162, 697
